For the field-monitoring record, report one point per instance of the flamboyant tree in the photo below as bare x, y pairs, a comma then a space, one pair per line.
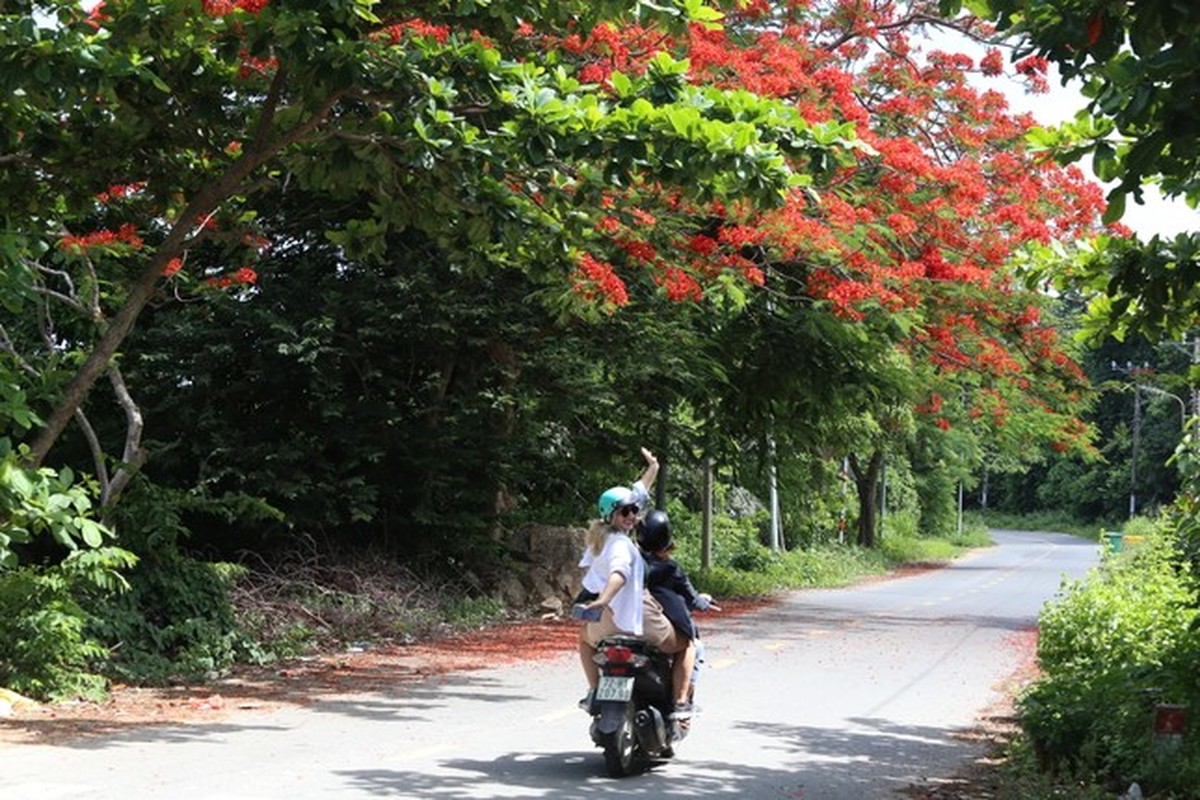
1135, 65
624, 153
140, 138
914, 238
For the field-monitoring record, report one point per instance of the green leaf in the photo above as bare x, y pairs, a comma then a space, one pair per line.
1116, 207
93, 534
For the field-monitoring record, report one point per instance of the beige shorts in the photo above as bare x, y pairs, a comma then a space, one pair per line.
656, 628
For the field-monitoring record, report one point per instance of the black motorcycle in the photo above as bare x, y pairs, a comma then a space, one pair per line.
631, 709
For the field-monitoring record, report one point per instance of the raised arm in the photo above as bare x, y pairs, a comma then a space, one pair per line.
651, 471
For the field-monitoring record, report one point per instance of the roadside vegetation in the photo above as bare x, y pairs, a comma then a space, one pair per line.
282, 373
1116, 651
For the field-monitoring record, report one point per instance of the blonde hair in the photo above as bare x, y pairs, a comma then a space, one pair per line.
597, 532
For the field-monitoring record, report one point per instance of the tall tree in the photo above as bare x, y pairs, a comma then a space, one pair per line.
141, 138
1135, 62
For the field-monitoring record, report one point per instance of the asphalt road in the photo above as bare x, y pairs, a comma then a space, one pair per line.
848, 694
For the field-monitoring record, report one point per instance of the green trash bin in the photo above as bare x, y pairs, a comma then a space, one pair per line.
1116, 542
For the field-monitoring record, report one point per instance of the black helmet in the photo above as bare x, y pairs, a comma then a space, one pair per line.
654, 532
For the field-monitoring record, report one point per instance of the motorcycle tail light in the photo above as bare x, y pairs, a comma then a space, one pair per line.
618, 655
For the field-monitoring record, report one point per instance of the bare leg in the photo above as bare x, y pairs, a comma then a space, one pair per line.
591, 670
681, 672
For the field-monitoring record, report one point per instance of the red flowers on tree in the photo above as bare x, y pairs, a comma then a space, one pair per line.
924, 221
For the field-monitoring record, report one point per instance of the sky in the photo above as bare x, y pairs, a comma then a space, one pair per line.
1157, 216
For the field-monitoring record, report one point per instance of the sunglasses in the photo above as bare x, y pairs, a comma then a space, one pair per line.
626, 511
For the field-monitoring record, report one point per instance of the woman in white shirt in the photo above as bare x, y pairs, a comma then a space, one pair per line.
616, 576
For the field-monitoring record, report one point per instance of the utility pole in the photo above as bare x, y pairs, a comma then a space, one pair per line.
1193, 348
1137, 434
1133, 371
773, 491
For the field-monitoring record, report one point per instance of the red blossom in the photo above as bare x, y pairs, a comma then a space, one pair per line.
702, 245
96, 17
680, 285
595, 281
643, 217
252, 65
417, 27
120, 191
992, 63
124, 236
173, 266
642, 251
595, 73
608, 224
222, 8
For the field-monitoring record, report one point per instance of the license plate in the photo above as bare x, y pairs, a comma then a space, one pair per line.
614, 689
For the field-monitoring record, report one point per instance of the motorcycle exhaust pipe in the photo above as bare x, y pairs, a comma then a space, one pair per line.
651, 729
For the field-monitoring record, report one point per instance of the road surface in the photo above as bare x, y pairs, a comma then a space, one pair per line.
846, 694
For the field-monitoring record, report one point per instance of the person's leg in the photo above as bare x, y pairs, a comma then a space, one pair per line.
695, 677
589, 639
681, 672
586, 650
661, 635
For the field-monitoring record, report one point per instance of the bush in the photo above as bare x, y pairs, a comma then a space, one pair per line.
1111, 646
176, 622
48, 652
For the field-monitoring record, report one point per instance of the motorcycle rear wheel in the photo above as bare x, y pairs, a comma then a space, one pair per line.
621, 748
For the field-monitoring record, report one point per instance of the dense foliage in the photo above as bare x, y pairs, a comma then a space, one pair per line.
1112, 647
1135, 62
374, 273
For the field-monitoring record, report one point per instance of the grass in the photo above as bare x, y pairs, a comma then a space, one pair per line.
1042, 521
827, 565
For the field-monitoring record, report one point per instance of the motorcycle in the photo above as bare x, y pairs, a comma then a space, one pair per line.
631, 708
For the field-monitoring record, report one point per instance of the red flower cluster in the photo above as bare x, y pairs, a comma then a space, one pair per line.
417, 27
1034, 68
120, 191
992, 64
221, 8
244, 276
680, 285
596, 281
124, 236
252, 65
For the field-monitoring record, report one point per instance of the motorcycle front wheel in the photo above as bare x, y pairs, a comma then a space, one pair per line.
620, 747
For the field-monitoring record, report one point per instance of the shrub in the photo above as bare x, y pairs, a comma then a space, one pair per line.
1111, 646
177, 620
47, 652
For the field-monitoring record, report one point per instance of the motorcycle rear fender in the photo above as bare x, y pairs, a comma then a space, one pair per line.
610, 717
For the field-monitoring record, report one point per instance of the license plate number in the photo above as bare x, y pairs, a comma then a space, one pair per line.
614, 689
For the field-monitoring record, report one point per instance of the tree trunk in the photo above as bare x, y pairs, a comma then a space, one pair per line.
206, 201
98, 361
867, 482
